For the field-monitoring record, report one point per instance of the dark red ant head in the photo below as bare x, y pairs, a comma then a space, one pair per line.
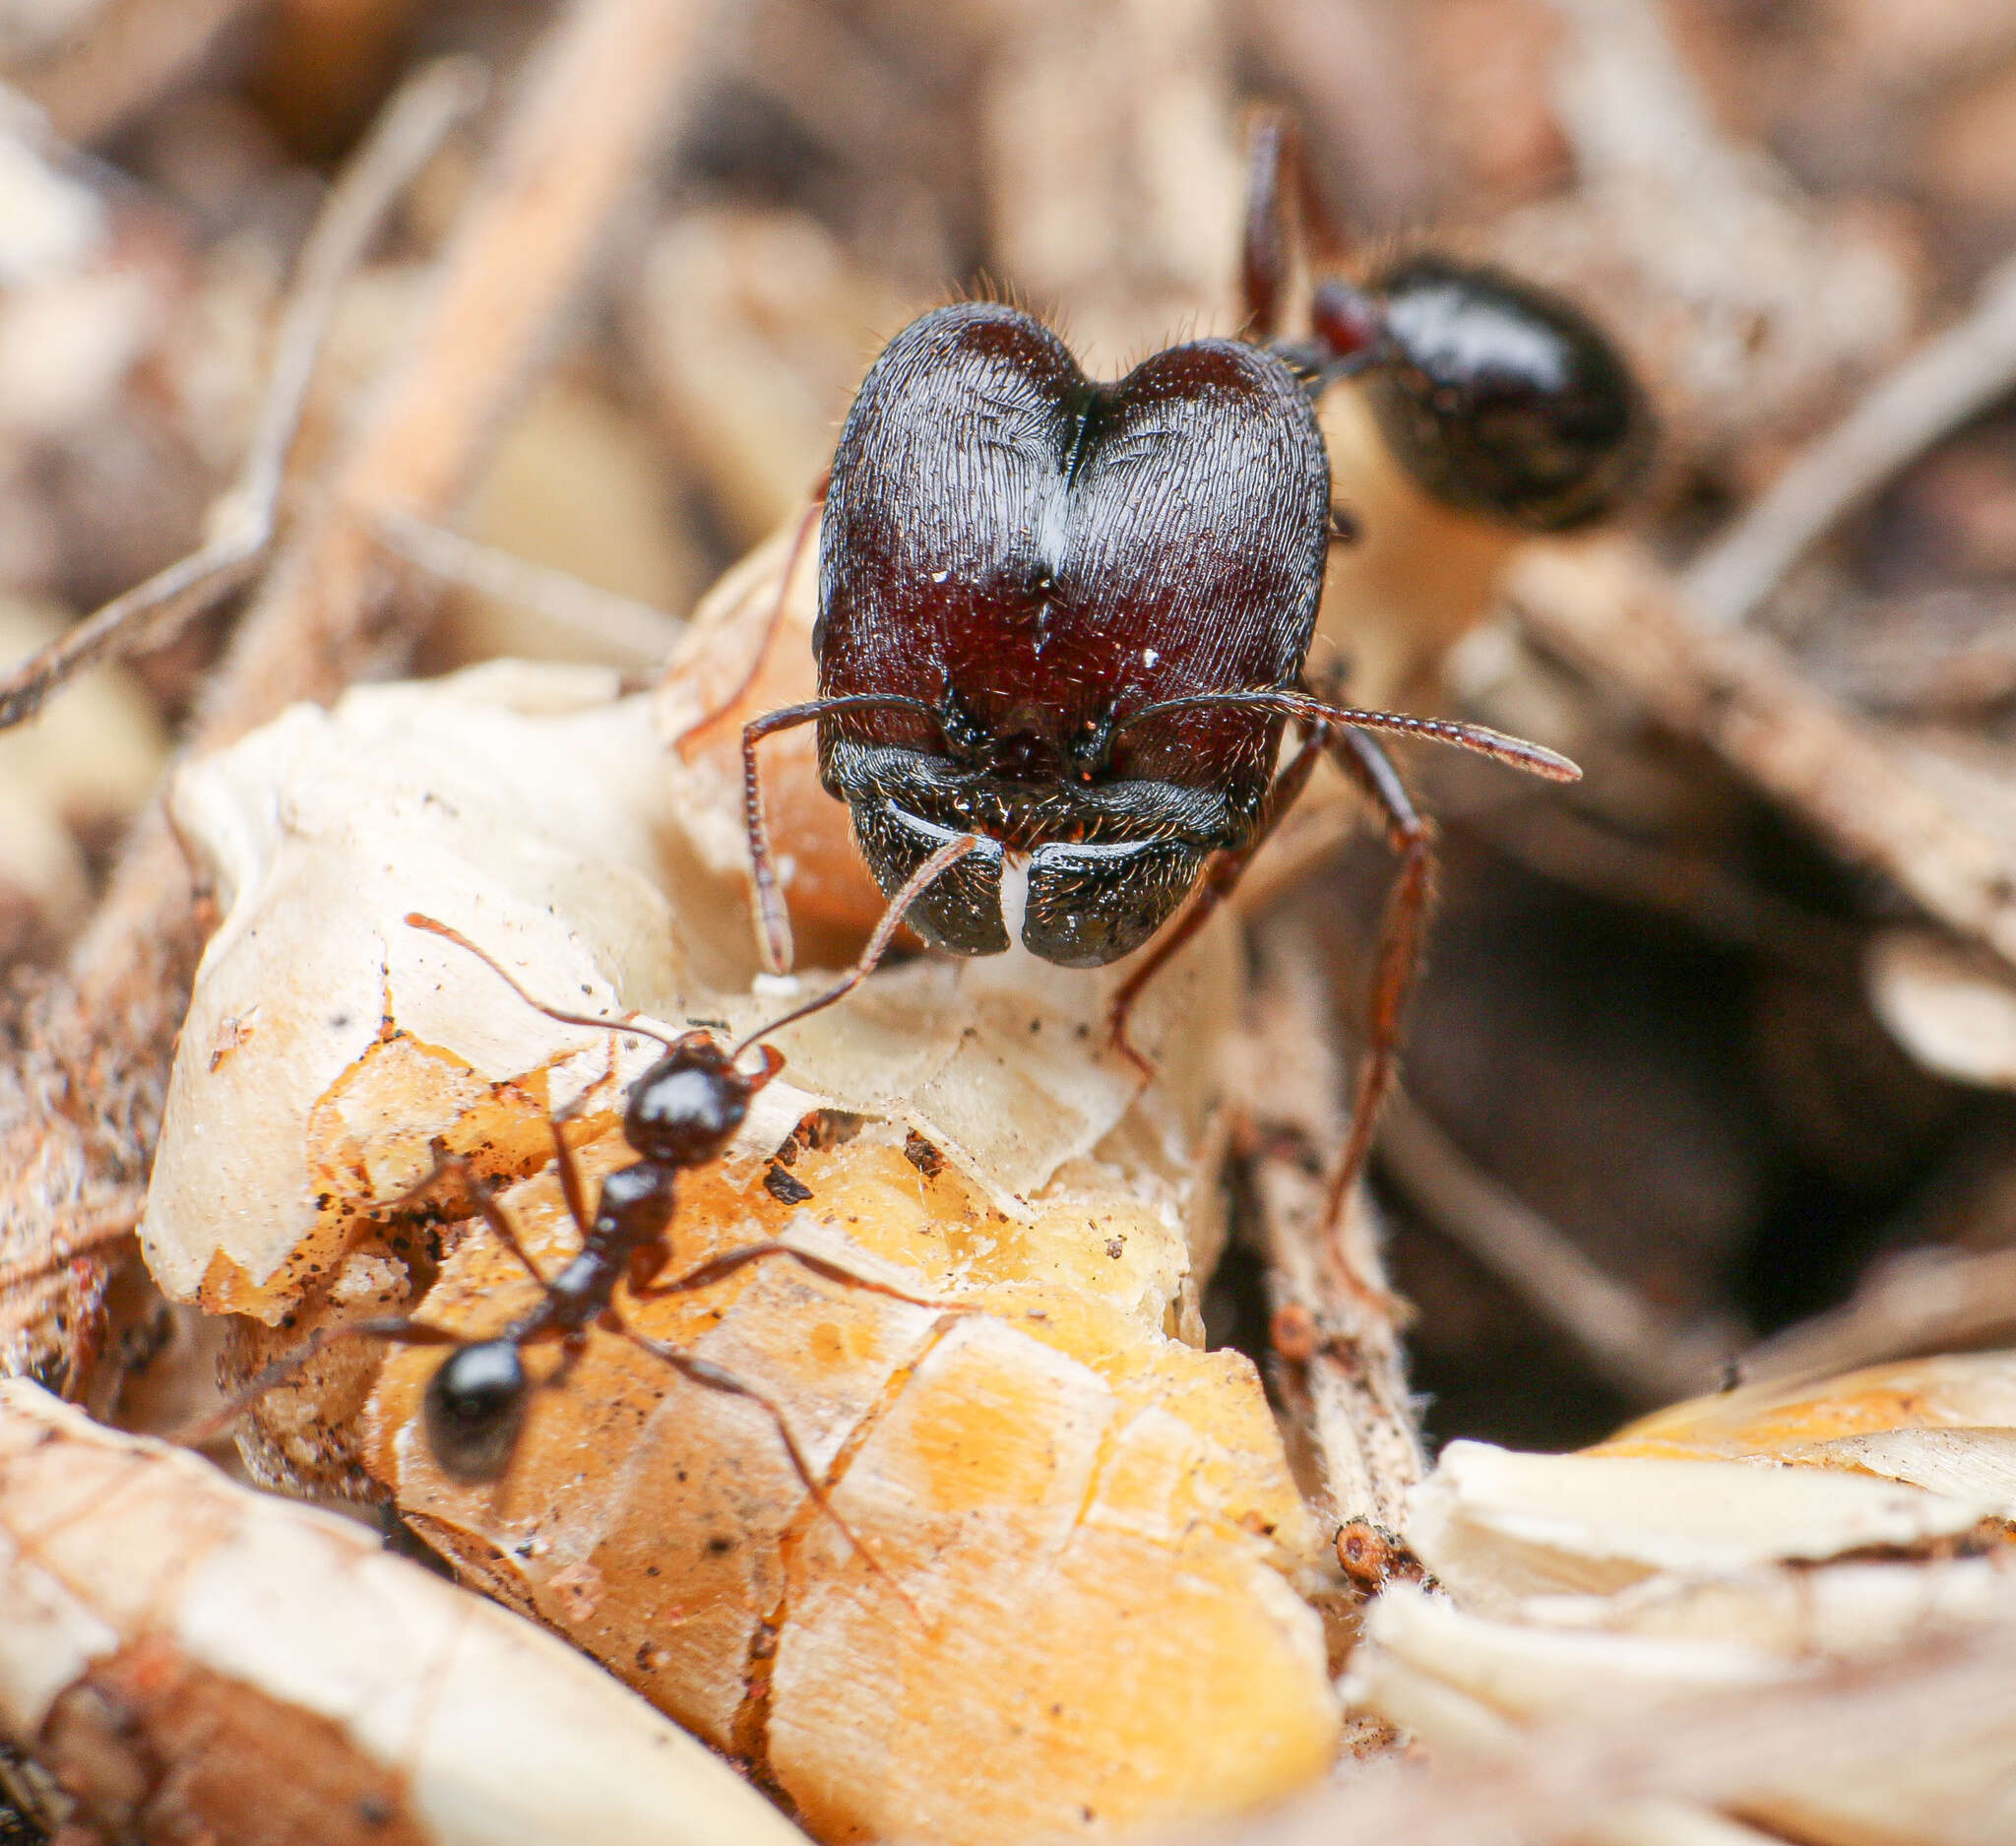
1030, 558
1497, 396
686, 1108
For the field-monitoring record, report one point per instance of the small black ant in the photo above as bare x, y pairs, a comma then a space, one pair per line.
1066, 624
680, 1116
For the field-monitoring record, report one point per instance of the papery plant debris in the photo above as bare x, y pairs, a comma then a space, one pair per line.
443, 336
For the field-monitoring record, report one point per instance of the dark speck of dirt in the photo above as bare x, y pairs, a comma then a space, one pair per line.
783, 1187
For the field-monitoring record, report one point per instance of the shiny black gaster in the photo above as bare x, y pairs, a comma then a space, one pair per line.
1503, 399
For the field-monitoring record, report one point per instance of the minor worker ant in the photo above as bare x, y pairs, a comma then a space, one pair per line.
679, 1116
1067, 622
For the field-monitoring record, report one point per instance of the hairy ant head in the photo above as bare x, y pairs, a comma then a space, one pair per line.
686, 1108
474, 1406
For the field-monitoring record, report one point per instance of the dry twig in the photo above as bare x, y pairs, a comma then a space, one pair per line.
1361, 1414
1946, 381
563, 598
1928, 1300
152, 614
1608, 610
98, 81
88, 1094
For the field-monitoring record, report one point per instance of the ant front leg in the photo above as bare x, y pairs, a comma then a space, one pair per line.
1222, 875
1265, 255
1411, 837
457, 1167
772, 921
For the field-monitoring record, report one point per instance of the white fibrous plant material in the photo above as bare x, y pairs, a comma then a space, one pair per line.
1761, 1537
196, 1660
1074, 1533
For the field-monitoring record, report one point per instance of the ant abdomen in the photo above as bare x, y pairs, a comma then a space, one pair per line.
1501, 398
475, 1407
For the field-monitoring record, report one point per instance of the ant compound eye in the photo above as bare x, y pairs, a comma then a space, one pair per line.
686, 1108
1502, 399
1090, 905
474, 1406
962, 910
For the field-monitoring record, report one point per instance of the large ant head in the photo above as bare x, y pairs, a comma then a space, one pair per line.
686, 1108
1497, 396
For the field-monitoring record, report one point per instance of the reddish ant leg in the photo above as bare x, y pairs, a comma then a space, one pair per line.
1222, 875
772, 921
913, 887
713, 1378
457, 1166
1264, 261
1411, 837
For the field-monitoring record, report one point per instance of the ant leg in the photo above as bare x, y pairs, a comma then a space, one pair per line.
707, 721
913, 887
1264, 253
713, 1378
773, 922
398, 1330
1222, 874
1413, 836
572, 1185
487, 1208
1281, 210
718, 1267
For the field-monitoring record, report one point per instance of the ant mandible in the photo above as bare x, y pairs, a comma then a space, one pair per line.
680, 1116
1067, 622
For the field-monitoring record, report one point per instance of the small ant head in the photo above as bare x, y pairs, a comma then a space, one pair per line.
475, 1405
686, 1108
1503, 399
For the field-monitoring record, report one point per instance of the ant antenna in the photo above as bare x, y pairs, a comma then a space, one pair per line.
1514, 752
913, 887
629, 1022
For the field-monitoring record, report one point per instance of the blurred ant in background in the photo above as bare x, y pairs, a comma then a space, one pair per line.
1067, 622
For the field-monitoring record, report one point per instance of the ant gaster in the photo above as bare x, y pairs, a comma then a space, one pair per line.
1067, 622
